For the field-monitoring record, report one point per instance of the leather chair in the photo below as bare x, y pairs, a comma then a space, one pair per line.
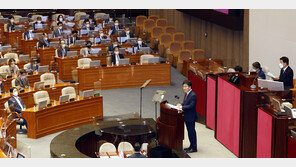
26, 66
174, 49
198, 54
3, 68
77, 15
155, 36
83, 62
20, 121
48, 79
188, 45
164, 43
183, 55
170, 30
161, 23
153, 17
125, 146
69, 91
107, 147
11, 55
144, 58
139, 25
179, 37
41, 96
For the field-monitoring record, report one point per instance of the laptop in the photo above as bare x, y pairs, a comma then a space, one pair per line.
95, 63
72, 54
64, 98
124, 61
38, 85
95, 51
132, 40
153, 60
42, 104
122, 51
121, 39
44, 18
54, 44
93, 33
38, 26
106, 41
79, 42
24, 58
43, 69
6, 48
144, 50
83, 32
70, 18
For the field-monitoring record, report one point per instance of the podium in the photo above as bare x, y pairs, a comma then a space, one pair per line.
170, 128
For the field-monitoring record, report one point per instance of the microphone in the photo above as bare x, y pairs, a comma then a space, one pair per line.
253, 86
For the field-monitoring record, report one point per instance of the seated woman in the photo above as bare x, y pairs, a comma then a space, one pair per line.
33, 65
258, 69
13, 68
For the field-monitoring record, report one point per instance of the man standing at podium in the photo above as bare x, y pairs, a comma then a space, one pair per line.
188, 106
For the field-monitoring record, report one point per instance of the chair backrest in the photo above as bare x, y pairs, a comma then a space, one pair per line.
11, 55
198, 54
97, 15
149, 24
4, 68
179, 36
153, 17
107, 147
156, 32
188, 45
170, 30
83, 62
125, 146
144, 58
140, 20
34, 17
78, 14
80, 23
69, 91
41, 96
48, 79
13, 83
161, 23
175, 47
17, 18
75, 75
166, 39
185, 55
26, 66
5, 27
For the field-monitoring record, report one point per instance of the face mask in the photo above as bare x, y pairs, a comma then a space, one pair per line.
116, 52
12, 21
101, 34
139, 42
116, 24
15, 93
61, 19
88, 46
87, 25
63, 45
38, 22
281, 65
253, 70
60, 27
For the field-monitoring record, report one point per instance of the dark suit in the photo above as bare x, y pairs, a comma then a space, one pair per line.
131, 34
23, 83
111, 48
189, 108
17, 107
57, 33
137, 45
73, 39
62, 51
113, 60
114, 31
36, 23
287, 77
12, 26
27, 34
44, 43
137, 155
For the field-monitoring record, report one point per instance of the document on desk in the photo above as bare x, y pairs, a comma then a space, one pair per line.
173, 107
270, 74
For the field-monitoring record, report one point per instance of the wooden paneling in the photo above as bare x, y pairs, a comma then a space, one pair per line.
219, 42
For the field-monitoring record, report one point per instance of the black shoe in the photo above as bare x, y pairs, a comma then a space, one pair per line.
191, 150
187, 149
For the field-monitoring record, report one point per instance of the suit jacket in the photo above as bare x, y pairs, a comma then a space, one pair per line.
137, 45
287, 77
16, 106
131, 34
36, 23
189, 107
60, 51
137, 155
19, 83
12, 26
44, 43
261, 74
113, 60
57, 33
114, 31
26, 34
111, 48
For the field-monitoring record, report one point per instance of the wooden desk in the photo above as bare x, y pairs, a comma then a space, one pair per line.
125, 76
46, 55
14, 37
28, 46
60, 117
205, 64
11, 132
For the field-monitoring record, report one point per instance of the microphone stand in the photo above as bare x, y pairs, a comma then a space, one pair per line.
141, 89
253, 86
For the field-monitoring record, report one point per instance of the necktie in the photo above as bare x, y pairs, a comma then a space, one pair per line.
186, 96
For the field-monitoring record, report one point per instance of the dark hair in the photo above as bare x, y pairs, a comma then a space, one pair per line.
23, 71
86, 20
285, 59
88, 42
187, 82
44, 33
238, 69
114, 40
38, 18
10, 61
74, 31
257, 65
59, 17
137, 147
59, 23
11, 17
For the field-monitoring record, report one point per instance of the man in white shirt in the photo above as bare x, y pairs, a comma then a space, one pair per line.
17, 103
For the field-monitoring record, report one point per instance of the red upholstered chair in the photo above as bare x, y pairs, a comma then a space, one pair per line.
155, 36
179, 37
174, 50
162, 23
164, 43
183, 55
153, 17
170, 30
188, 45
198, 54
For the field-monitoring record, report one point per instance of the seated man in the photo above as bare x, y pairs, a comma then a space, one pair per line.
116, 56
112, 47
87, 27
116, 27
38, 22
127, 33
140, 44
286, 73
238, 69
33, 65
59, 31
74, 37
17, 103
22, 82
86, 51
29, 33
63, 49
11, 25
137, 153
44, 41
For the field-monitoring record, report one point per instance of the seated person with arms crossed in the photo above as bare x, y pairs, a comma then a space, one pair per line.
258, 69
137, 153
29, 33
22, 82
2, 86
116, 56
63, 49
116, 27
86, 51
11, 25
127, 33
44, 41
13, 68
17, 103
286, 74
33, 65
38, 22
59, 31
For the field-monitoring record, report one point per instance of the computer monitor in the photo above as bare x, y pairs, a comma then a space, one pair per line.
122, 51
144, 50
288, 111
275, 85
24, 58
37, 35
23, 19
87, 93
38, 26
67, 32
38, 85
19, 27
3, 61
83, 32
43, 69
42, 104
120, 31
124, 61
6, 48
79, 42
72, 54
105, 41
95, 63
54, 44
83, 17
153, 60
121, 39
44, 18
132, 40
93, 33
95, 51
64, 98
70, 18
70, 24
